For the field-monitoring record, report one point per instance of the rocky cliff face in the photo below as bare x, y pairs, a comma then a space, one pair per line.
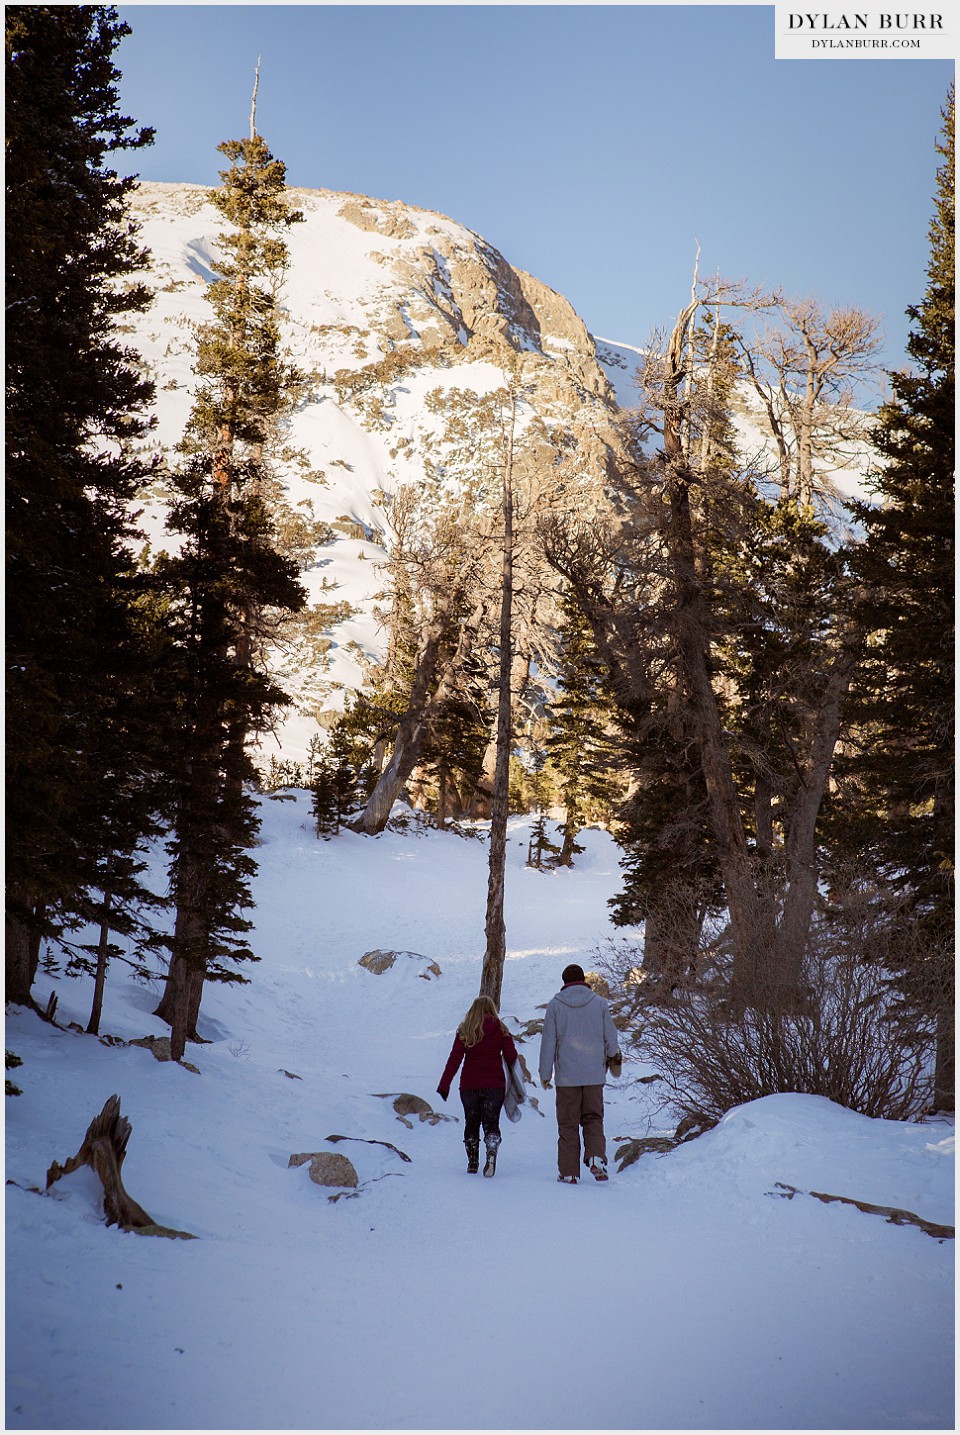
387, 307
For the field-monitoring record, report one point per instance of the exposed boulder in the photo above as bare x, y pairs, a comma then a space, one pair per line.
327, 1168
160, 1047
598, 984
405, 1104
379, 961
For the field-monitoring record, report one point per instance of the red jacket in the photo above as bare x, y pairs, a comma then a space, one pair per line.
483, 1062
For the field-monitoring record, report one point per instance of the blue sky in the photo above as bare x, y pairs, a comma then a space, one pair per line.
592, 145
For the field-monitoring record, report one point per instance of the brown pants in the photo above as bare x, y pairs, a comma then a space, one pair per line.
579, 1106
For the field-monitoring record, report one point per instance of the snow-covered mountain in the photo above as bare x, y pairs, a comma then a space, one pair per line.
392, 311
385, 305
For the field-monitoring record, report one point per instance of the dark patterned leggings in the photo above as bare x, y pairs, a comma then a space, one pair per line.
482, 1107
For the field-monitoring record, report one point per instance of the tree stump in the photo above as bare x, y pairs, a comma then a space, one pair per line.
103, 1150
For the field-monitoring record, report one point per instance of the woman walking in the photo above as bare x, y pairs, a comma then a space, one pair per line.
483, 1044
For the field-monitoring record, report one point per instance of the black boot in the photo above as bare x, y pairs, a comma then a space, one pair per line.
473, 1154
491, 1163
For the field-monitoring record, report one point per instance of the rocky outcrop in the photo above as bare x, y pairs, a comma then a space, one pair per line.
564, 335
384, 218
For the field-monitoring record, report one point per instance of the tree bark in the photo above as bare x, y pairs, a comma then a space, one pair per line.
96, 1009
22, 960
571, 829
733, 852
800, 848
945, 1063
180, 1003
491, 979
410, 735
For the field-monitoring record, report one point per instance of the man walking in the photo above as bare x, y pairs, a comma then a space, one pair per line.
578, 1039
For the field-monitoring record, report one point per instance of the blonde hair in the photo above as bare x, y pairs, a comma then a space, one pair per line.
470, 1029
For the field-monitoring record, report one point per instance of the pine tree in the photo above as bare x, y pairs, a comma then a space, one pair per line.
903, 706
451, 758
905, 699
671, 873
542, 851
342, 775
324, 795
582, 749
228, 585
79, 676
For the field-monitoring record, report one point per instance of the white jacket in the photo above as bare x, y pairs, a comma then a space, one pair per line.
578, 1036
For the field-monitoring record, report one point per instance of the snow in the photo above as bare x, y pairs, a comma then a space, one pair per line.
620, 363
685, 1293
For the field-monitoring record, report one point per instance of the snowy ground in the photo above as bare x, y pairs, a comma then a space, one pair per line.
680, 1295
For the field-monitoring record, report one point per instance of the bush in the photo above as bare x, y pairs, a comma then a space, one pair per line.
853, 1040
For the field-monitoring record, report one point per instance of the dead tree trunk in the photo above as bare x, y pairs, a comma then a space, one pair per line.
491, 979
103, 1150
96, 1008
410, 735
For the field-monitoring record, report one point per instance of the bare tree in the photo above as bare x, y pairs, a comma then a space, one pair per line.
491, 980
805, 368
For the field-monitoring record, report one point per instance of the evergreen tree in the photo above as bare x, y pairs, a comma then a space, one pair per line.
903, 705
582, 749
541, 850
324, 795
227, 585
451, 759
342, 773
905, 696
79, 673
671, 873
